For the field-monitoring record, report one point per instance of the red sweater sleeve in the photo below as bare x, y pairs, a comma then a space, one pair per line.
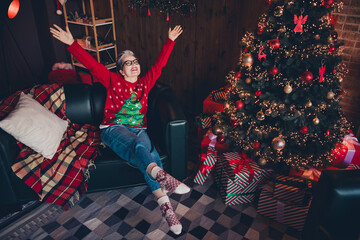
95, 68
161, 61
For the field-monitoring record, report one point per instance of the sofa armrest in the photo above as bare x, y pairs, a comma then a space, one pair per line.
8, 153
168, 128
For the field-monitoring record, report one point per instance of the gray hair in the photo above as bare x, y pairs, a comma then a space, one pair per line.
122, 55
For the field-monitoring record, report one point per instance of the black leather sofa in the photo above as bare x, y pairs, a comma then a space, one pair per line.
167, 127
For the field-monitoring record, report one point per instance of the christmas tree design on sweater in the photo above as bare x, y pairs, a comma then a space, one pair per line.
130, 112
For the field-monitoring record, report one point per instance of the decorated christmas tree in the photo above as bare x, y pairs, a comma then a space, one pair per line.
130, 112
283, 103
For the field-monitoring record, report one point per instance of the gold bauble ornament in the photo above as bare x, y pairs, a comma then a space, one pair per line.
278, 143
308, 104
226, 105
247, 60
260, 116
217, 130
279, 11
330, 39
262, 162
287, 89
248, 80
317, 37
330, 95
341, 80
268, 112
316, 121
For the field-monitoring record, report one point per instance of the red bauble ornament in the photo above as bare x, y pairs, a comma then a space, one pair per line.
275, 43
331, 48
245, 49
274, 70
328, 3
334, 35
328, 132
238, 75
304, 129
234, 123
221, 139
256, 145
334, 71
258, 93
307, 77
260, 30
239, 104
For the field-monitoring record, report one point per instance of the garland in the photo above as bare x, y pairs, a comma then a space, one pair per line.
182, 7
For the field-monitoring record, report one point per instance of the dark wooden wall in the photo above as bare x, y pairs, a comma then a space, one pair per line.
205, 52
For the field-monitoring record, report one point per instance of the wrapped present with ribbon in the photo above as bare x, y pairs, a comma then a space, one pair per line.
230, 191
293, 189
346, 152
210, 141
214, 102
281, 211
207, 162
243, 170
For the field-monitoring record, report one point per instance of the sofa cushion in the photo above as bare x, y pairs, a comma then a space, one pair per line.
35, 126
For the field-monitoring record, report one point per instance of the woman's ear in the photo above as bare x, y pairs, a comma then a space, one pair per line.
121, 72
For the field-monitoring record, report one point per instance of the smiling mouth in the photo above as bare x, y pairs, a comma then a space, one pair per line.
134, 69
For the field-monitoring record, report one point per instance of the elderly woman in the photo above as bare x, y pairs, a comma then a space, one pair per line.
124, 124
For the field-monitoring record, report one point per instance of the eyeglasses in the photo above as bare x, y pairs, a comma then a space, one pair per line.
130, 62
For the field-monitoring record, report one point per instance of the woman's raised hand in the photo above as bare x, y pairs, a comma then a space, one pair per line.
174, 33
61, 35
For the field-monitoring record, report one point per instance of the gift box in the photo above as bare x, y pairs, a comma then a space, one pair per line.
292, 189
243, 170
210, 140
238, 178
208, 161
231, 192
214, 102
284, 212
347, 152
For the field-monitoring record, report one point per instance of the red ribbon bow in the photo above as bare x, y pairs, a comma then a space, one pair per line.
244, 161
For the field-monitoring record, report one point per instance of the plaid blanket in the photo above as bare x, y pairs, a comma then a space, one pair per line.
62, 179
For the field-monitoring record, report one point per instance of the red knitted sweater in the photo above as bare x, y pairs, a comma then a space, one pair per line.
123, 106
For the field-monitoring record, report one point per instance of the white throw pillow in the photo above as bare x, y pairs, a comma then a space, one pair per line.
35, 126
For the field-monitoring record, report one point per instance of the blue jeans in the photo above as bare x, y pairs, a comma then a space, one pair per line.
134, 146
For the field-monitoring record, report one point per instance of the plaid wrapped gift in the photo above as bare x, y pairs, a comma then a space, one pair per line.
283, 212
243, 171
231, 192
292, 189
208, 161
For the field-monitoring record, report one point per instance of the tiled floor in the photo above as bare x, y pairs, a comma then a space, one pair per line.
134, 214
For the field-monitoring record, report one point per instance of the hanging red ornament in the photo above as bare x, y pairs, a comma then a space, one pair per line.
275, 43
221, 139
328, 132
334, 71
239, 104
299, 21
331, 48
256, 145
261, 55
327, 3
268, 3
304, 129
321, 73
234, 123
149, 14
274, 70
260, 30
307, 77
167, 17
238, 75
258, 93
333, 19
245, 49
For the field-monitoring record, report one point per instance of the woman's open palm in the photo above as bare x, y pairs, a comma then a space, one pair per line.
174, 33
61, 35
